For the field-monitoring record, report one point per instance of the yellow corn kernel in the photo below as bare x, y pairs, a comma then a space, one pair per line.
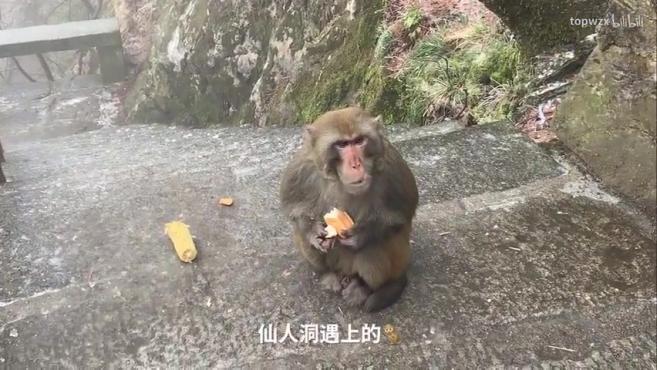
182, 240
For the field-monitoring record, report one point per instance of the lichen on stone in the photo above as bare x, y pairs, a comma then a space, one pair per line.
609, 116
229, 62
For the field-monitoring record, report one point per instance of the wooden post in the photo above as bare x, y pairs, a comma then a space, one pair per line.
112, 65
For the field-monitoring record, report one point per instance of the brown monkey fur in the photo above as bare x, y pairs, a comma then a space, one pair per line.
376, 188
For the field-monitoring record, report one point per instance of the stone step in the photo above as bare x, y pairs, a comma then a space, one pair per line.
488, 287
402, 132
513, 251
448, 163
475, 160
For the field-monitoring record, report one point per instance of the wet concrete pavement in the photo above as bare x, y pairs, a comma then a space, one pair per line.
518, 258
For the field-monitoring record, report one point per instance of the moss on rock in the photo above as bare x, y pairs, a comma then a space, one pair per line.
337, 79
609, 116
270, 62
543, 24
382, 94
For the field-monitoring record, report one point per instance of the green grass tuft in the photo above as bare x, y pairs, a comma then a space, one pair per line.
412, 18
383, 45
481, 70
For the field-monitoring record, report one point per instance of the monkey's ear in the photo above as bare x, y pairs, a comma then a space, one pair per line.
378, 124
309, 133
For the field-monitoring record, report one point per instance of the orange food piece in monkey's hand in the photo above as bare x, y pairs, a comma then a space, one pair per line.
338, 222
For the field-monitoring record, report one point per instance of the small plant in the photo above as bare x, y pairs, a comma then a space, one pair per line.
383, 44
412, 18
429, 49
474, 70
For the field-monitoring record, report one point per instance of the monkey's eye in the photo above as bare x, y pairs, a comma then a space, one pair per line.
341, 144
359, 140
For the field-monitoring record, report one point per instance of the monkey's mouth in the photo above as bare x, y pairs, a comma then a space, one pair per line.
358, 186
362, 181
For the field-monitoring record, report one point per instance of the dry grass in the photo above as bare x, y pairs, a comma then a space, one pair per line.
536, 125
437, 15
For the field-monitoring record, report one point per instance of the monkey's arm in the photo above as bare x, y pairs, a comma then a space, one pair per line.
374, 229
298, 199
313, 232
386, 218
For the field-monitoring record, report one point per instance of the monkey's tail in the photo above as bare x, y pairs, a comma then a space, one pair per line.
386, 295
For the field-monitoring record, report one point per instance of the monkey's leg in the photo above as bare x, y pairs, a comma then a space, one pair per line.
386, 294
331, 281
316, 258
384, 272
2, 176
356, 292
346, 280
340, 261
337, 282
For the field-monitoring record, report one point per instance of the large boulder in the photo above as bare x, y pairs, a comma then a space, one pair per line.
608, 117
543, 24
135, 18
258, 62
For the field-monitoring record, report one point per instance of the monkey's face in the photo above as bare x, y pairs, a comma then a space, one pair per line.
353, 167
346, 146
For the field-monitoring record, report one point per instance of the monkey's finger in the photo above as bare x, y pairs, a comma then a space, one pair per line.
351, 241
324, 244
345, 281
327, 243
320, 230
346, 234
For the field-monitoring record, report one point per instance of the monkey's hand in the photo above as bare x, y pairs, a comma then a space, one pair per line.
318, 239
349, 239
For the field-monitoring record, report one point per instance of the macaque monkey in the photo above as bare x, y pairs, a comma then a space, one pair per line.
347, 163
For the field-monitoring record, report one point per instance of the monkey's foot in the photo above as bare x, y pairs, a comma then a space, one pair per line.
355, 294
346, 280
331, 281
